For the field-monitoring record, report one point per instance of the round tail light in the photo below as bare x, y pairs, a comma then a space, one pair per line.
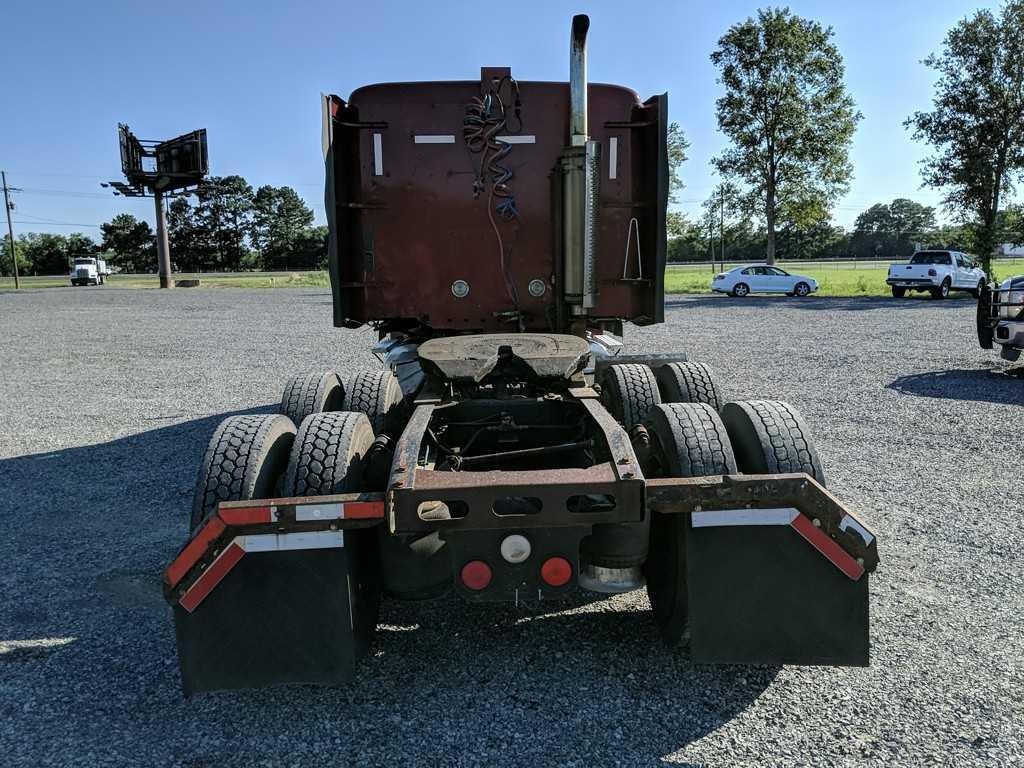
476, 575
556, 571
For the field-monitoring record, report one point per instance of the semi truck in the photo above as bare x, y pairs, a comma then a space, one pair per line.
497, 236
89, 270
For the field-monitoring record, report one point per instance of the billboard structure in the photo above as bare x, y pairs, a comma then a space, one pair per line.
158, 168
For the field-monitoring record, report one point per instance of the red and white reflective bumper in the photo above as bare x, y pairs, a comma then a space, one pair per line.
214, 529
817, 538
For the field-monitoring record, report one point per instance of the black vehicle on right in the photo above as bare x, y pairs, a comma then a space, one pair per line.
1001, 317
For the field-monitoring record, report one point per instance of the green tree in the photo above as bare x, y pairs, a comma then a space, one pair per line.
47, 252
892, 229
279, 228
677, 146
24, 263
309, 251
221, 218
192, 247
787, 115
130, 243
977, 124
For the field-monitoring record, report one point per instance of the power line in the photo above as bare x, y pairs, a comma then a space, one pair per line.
57, 223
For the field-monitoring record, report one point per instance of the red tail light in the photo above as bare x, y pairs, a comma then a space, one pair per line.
476, 575
556, 571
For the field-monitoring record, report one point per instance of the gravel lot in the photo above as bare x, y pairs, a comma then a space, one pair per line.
107, 398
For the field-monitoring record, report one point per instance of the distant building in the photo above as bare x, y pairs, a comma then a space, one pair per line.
1012, 249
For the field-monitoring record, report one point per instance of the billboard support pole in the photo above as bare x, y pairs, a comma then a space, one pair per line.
163, 249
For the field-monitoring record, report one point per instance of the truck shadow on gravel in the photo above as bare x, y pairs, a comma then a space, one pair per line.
1001, 386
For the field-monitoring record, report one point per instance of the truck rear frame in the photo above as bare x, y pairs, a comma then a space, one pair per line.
507, 450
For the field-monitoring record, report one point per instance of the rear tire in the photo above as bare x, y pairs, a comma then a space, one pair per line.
740, 290
311, 393
688, 383
983, 317
770, 437
690, 441
378, 395
898, 292
244, 460
629, 391
327, 455
942, 291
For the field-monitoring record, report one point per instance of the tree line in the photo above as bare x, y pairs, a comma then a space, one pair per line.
790, 121
893, 230
224, 226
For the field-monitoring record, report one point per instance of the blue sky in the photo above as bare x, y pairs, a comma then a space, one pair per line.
251, 72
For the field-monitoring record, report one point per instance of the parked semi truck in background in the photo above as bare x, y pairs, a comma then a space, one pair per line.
489, 231
89, 270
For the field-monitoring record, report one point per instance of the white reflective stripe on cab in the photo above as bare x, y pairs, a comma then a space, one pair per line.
279, 542
427, 138
722, 517
378, 155
613, 157
528, 139
319, 512
850, 522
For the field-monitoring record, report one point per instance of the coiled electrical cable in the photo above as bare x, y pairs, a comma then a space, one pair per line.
485, 118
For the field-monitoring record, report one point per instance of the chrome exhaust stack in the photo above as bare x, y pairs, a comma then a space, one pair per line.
578, 80
580, 166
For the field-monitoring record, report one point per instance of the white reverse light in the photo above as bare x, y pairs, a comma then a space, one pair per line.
515, 548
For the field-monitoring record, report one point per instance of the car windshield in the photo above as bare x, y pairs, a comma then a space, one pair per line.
83, 261
931, 257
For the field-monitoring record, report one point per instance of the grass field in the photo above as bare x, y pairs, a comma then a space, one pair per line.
835, 278
839, 280
221, 280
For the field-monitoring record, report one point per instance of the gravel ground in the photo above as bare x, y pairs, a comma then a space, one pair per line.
108, 396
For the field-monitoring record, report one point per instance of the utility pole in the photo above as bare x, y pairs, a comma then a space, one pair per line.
8, 205
163, 249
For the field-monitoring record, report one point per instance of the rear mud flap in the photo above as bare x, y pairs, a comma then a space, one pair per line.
300, 616
775, 567
762, 594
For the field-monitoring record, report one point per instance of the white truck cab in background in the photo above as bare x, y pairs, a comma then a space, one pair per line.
937, 272
89, 270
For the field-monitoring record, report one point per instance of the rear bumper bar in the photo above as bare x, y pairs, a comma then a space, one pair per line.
776, 571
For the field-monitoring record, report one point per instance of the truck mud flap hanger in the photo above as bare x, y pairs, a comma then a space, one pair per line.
277, 591
286, 590
785, 584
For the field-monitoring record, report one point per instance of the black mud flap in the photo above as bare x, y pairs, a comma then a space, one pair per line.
300, 616
762, 594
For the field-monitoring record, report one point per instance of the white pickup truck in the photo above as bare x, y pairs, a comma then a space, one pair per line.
88, 270
937, 272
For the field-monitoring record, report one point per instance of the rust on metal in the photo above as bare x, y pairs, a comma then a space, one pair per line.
796, 490
434, 230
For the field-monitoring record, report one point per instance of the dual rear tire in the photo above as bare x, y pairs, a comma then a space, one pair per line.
263, 455
692, 440
630, 391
